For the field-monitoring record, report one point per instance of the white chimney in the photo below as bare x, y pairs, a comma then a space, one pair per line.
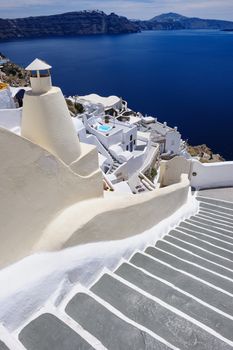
46, 120
40, 77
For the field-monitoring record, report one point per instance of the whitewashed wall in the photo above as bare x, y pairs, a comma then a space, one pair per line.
10, 118
6, 99
211, 175
207, 175
35, 186
173, 142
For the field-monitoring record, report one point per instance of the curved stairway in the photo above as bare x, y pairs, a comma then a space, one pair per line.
175, 295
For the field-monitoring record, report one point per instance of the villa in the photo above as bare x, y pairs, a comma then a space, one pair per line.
168, 138
128, 143
112, 235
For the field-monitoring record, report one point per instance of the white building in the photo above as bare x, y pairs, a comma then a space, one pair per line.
110, 102
127, 147
124, 151
113, 132
168, 138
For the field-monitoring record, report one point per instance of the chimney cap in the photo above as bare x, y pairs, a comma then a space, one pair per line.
38, 65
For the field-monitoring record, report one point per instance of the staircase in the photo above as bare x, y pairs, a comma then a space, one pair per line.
177, 294
114, 167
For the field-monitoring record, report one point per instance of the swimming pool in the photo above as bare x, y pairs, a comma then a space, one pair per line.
104, 128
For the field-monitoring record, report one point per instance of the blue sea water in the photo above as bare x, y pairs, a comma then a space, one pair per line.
182, 77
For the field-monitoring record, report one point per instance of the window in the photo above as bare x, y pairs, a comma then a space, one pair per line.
131, 137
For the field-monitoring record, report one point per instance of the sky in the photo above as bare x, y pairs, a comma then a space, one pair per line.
138, 9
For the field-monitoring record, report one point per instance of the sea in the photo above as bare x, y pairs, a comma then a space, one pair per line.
182, 77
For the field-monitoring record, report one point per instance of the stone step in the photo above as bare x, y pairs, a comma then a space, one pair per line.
208, 231
176, 295
185, 282
220, 210
189, 238
165, 246
207, 222
216, 202
176, 298
49, 332
200, 252
210, 277
113, 332
158, 317
207, 236
3, 346
216, 213
215, 218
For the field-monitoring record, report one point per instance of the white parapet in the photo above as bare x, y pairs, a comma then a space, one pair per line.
211, 175
35, 187
207, 175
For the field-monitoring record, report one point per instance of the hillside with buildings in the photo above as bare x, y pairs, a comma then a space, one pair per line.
174, 21
17, 76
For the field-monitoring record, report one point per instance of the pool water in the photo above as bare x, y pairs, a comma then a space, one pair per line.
104, 128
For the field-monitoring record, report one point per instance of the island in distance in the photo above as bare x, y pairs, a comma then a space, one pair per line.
97, 22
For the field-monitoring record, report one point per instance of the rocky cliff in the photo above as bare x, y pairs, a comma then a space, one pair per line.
73, 23
13, 74
174, 21
204, 154
97, 22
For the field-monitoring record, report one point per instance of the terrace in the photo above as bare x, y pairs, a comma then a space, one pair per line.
111, 127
